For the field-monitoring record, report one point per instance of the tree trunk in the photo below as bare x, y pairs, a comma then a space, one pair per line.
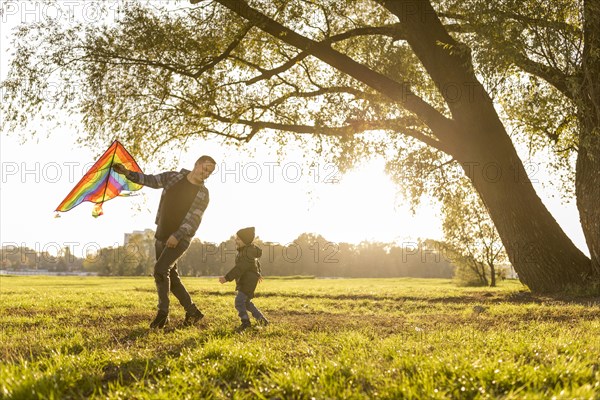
479, 269
493, 275
483, 274
587, 181
587, 190
541, 253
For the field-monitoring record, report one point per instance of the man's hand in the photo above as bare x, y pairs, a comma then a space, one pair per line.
172, 241
120, 168
222, 279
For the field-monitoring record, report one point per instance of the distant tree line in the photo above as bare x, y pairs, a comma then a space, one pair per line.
309, 254
17, 258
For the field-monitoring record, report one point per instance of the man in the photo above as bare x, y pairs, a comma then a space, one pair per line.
182, 204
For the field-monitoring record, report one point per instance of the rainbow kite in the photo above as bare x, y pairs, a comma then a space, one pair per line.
101, 183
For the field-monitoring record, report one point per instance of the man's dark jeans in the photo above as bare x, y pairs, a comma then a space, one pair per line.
167, 278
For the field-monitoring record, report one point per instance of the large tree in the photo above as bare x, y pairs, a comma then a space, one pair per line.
556, 47
331, 69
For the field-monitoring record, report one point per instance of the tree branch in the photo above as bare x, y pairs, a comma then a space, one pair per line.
552, 75
398, 91
326, 90
521, 18
236, 41
392, 30
399, 125
114, 58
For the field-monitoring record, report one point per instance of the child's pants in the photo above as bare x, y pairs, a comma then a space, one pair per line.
243, 304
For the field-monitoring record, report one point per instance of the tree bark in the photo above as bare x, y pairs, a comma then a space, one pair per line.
587, 180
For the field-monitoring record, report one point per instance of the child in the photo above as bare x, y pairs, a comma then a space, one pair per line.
246, 274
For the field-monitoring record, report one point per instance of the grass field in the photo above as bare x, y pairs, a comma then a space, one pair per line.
70, 338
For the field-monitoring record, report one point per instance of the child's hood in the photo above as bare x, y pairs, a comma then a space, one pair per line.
252, 251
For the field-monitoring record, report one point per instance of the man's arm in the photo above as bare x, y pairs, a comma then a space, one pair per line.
153, 181
192, 220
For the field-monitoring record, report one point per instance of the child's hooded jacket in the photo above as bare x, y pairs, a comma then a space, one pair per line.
246, 271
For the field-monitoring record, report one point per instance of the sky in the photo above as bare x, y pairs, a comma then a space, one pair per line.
282, 198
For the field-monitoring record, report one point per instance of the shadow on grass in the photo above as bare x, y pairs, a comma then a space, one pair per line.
134, 335
522, 297
59, 384
149, 370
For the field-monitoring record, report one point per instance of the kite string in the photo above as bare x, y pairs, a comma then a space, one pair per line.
112, 160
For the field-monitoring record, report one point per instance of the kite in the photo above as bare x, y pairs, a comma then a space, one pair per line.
101, 183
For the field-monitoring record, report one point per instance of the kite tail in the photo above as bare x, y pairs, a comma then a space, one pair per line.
97, 211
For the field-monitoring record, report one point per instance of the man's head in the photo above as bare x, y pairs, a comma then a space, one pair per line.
204, 167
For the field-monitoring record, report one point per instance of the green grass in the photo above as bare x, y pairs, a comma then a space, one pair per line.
70, 338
